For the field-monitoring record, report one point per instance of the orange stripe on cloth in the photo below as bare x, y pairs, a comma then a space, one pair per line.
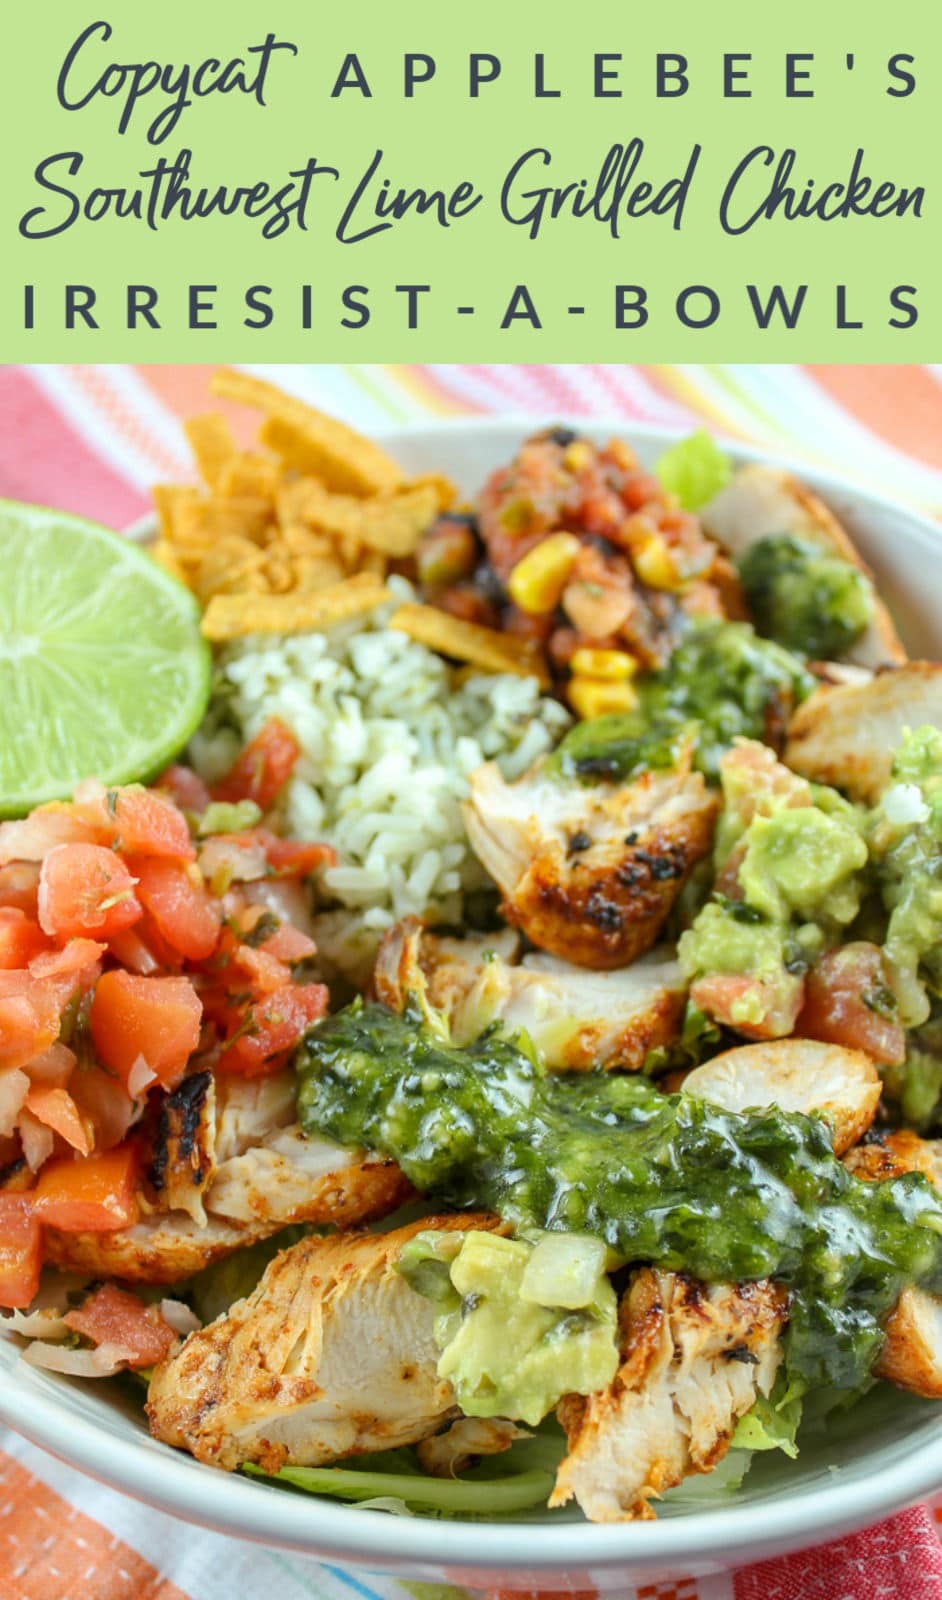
51, 1551
902, 405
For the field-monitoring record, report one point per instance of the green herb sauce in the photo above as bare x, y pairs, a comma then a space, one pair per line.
661, 1178
722, 681
805, 597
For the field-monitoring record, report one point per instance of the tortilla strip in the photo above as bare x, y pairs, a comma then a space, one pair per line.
486, 648
233, 616
308, 440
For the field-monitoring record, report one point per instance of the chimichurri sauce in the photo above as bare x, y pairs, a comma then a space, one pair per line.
662, 1178
722, 681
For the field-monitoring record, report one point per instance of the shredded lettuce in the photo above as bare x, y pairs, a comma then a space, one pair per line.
694, 470
771, 1424
520, 1479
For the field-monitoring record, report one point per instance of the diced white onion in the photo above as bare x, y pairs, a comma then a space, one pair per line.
35, 1324
903, 804
140, 1078
179, 1317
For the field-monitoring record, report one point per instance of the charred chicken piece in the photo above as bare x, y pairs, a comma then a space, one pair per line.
590, 872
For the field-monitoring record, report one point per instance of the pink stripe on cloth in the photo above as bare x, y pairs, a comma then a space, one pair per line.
899, 1557
43, 460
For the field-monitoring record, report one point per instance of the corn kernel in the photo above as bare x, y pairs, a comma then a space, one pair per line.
654, 564
614, 666
539, 578
577, 455
592, 697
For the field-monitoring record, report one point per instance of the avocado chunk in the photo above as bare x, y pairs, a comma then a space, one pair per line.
507, 1353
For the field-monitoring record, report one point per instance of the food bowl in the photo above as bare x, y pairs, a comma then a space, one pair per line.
884, 1454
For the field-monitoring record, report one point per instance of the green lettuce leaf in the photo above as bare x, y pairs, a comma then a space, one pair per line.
771, 1424
694, 470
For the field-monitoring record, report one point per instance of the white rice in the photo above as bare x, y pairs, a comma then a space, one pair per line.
388, 745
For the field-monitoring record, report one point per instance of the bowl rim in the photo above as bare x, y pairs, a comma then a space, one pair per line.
255, 1511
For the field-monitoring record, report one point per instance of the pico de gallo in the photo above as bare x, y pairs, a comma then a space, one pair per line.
145, 933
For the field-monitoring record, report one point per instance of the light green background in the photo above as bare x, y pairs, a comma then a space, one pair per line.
443, 136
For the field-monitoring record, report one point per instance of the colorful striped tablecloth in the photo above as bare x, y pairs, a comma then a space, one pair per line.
91, 440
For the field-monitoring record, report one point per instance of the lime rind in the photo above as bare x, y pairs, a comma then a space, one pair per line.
103, 670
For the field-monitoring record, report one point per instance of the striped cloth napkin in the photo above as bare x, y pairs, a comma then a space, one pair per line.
91, 440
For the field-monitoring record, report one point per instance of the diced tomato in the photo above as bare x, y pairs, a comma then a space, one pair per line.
848, 1001
289, 944
149, 825
19, 886
21, 938
263, 768
267, 1030
55, 1108
89, 1194
290, 858
770, 1005
157, 1018
113, 1316
185, 788
85, 889
29, 1018
70, 971
177, 900
266, 971
20, 1251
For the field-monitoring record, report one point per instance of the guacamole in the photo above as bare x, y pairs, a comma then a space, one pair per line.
662, 1178
722, 682
905, 834
805, 597
507, 1351
790, 857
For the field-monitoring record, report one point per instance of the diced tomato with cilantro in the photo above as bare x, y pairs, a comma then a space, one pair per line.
86, 889
263, 768
849, 1001
260, 1034
112, 1316
128, 946
89, 1194
20, 1251
186, 916
154, 1020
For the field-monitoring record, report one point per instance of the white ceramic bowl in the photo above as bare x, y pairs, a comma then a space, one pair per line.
887, 1453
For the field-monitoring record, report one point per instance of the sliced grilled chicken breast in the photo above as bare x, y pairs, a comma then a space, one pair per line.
795, 1075
577, 1019
912, 1351
333, 1354
228, 1166
764, 500
590, 872
847, 736
693, 1360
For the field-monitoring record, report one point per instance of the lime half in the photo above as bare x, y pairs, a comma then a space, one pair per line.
103, 672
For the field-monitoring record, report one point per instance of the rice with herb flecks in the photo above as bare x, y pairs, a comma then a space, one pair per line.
388, 739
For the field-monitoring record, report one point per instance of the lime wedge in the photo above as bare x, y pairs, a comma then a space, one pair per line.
103, 672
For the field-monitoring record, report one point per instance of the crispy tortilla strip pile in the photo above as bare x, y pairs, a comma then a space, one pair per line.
297, 534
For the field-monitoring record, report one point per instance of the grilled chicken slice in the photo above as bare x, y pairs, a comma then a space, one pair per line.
763, 500
795, 1075
333, 1354
237, 1171
590, 872
447, 1454
912, 1351
577, 1019
694, 1359
847, 736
